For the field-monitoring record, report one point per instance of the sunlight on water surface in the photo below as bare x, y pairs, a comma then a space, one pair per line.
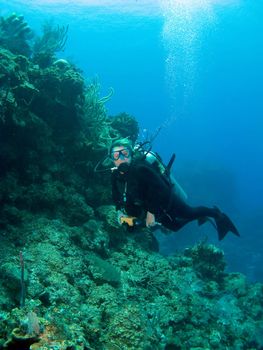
133, 7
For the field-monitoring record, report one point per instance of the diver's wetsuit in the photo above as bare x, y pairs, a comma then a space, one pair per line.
139, 188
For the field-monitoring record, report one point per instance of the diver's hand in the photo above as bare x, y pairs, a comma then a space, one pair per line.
150, 220
120, 215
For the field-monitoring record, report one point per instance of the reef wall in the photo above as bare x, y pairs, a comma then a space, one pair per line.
71, 277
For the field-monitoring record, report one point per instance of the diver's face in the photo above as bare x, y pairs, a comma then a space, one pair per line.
121, 154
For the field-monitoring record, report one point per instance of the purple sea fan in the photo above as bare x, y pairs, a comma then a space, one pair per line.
33, 327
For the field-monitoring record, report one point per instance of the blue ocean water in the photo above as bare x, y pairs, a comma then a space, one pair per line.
193, 67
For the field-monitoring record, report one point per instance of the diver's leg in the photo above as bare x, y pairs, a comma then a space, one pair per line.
174, 224
180, 211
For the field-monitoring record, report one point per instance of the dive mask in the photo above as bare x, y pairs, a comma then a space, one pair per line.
121, 154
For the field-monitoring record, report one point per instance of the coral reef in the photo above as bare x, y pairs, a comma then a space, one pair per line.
126, 125
15, 34
89, 284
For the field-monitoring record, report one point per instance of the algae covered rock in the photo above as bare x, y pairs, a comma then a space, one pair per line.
15, 34
126, 329
208, 261
21, 339
126, 125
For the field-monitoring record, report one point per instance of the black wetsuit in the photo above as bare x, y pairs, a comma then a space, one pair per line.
141, 188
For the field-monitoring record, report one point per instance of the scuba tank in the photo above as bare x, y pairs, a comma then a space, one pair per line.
155, 160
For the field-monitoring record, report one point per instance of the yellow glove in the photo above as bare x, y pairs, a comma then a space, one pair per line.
129, 220
120, 216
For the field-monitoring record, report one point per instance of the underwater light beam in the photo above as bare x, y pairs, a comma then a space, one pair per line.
184, 23
184, 20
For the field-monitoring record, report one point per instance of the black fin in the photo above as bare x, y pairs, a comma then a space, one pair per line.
203, 219
225, 225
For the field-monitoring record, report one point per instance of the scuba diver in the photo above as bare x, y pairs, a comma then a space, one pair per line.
144, 192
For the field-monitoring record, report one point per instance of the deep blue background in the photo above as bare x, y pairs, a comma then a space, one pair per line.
211, 112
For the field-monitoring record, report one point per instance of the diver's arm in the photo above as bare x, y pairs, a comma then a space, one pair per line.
156, 191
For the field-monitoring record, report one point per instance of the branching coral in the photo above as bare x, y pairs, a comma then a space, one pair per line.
53, 40
95, 120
